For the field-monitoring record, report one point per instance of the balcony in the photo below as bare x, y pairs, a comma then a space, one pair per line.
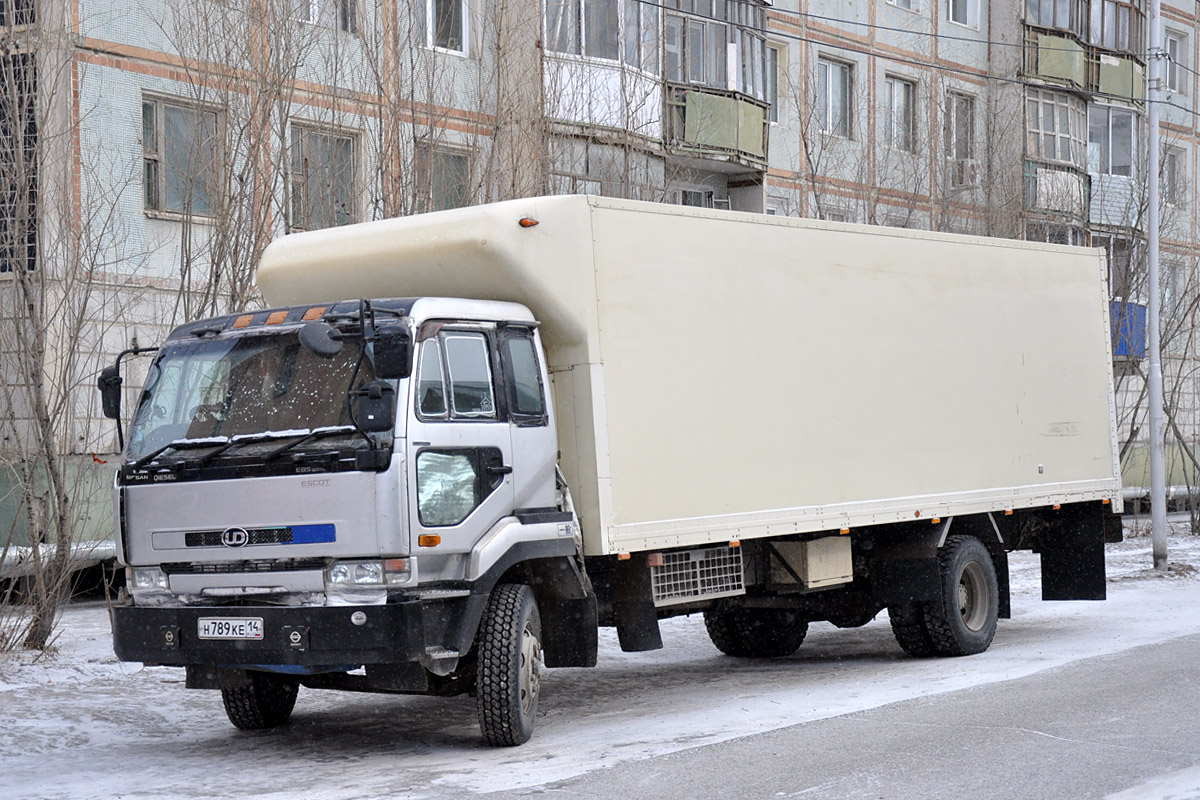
716, 124
1058, 59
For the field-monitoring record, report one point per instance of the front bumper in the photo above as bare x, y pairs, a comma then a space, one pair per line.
292, 635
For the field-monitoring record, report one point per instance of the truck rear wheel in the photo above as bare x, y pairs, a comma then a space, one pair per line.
910, 630
755, 632
265, 701
964, 621
510, 665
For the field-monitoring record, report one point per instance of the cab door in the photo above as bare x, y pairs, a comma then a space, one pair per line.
534, 440
460, 447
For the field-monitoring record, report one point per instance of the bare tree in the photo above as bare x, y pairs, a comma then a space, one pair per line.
62, 245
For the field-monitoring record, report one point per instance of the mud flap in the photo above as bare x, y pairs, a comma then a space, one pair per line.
633, 606
1073, 555
570, 635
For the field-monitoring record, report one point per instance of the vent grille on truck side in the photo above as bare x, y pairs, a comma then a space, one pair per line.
697, 574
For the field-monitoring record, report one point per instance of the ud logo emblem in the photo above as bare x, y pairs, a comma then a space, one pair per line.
235, 537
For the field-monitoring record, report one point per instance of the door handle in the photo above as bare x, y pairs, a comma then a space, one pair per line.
499, 470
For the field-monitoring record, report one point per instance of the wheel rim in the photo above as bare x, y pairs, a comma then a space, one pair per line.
531, 668
973, 596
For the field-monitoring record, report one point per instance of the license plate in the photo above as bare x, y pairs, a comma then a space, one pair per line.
230, 628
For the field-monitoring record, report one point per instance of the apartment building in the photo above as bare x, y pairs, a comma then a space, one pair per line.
150, 151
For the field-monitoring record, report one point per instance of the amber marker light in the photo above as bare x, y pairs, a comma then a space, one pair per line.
1008, 512
527, 222
623, 556
276, 317
935, 520
1057, 506
429, 540
316, 312
845, 531
243, 321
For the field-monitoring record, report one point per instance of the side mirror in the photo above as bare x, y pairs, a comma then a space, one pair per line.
109, 384
321, 338
393, 353
375, 407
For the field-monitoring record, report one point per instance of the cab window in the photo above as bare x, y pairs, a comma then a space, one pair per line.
454, 377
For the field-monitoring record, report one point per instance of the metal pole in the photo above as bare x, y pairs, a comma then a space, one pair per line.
1158, 489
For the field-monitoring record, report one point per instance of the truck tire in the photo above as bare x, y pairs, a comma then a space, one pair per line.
910, 630
510, 665
265, 701
755, 632
964, 621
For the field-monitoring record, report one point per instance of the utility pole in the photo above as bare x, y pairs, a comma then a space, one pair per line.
1158, 489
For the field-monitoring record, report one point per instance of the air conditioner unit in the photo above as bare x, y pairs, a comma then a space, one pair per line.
964, 172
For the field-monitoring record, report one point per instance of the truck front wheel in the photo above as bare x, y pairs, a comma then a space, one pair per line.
755, 632
964, 621
510, 665
265, 700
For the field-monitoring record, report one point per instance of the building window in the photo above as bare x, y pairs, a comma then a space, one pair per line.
900, 113
1176, 46
960, 140
697, 198
601, 24
322, 179
443, 23
964, 12
443, 178
1117, 24
1174, 176
606, 29
1052, 233
18, 162
1121, 260
562, 26
1056, 127
1066, 15
179, 149
640, 31
774, 60
338, 14
911, 5
960, 126
1112, 141
834, 85
17, 13
701, 45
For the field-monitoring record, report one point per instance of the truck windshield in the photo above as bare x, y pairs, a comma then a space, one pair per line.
217, 389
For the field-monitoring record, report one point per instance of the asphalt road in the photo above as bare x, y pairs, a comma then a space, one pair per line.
1087, 730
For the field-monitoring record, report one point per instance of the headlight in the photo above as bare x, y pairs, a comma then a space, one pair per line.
355, 573
144, 578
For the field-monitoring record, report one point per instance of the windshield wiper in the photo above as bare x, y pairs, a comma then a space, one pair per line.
316, 433
179, 444
252, 438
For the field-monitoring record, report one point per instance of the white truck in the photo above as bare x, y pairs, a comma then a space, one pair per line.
641, 411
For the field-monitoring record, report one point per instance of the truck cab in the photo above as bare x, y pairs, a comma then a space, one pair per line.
337, 495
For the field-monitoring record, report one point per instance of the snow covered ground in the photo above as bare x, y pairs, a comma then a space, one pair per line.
81, 724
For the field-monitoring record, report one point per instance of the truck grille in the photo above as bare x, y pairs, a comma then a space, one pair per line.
256, 536
697, 574
228, 567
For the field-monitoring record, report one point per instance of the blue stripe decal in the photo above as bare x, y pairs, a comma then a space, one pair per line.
313, 534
